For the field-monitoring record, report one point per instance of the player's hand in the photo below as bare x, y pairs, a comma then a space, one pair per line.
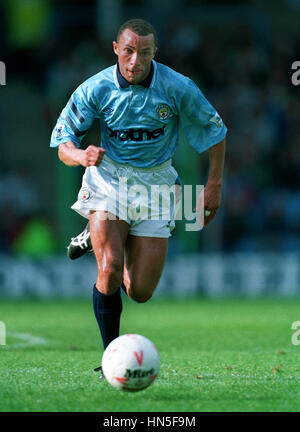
92, 156
209, 201
212, 201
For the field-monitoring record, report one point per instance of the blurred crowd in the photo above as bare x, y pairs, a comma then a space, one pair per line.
246, 77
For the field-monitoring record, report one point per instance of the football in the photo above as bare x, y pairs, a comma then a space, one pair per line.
130, 362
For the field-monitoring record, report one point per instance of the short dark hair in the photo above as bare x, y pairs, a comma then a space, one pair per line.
139, 26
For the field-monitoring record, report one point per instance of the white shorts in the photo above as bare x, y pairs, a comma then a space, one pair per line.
143, 197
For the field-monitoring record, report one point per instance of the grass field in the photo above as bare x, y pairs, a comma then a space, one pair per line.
216, 355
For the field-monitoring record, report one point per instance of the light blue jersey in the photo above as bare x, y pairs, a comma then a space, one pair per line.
140, 124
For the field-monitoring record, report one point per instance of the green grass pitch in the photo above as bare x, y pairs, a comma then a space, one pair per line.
216, 356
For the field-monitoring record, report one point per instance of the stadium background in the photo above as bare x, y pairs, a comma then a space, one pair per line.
240, 54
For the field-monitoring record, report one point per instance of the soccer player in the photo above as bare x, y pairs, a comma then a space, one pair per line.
140, 105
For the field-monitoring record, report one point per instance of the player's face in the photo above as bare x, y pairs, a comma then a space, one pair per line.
134, 55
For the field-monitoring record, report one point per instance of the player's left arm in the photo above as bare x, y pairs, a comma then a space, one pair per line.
213, 188
204, 129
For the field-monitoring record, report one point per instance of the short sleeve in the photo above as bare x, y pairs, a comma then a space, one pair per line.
75, 119
201, 125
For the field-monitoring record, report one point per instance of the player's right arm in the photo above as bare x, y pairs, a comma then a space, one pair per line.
70, 155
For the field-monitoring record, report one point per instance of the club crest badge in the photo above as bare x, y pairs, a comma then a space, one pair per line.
84, 194
59, 130
163, 111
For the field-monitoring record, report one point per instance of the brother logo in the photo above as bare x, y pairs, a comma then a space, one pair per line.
136, 134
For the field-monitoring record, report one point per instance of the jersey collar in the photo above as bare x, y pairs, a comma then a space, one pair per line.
123, 83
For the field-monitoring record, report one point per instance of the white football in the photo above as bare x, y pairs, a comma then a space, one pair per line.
130, 362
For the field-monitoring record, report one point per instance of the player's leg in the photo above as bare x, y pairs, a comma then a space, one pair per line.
108, 241
144, 263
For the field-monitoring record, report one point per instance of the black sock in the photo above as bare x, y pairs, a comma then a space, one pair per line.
107, 309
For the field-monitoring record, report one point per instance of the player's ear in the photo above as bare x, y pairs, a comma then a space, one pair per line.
154, 51
116, 47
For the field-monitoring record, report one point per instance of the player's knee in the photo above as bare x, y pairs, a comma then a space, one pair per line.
111, 276
140, 297
143, 299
